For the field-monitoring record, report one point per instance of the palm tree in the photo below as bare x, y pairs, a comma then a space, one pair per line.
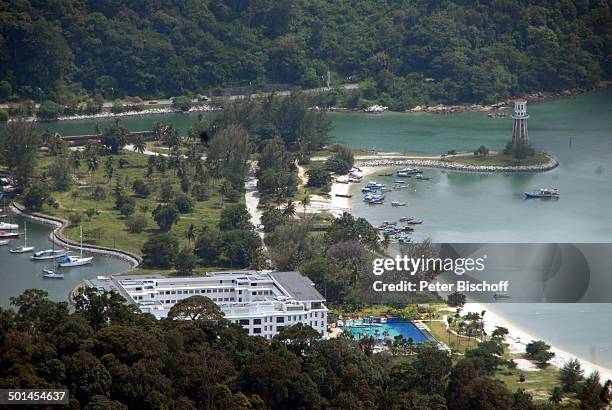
305, 203
386, 241
75, 195
190, 234
92, 166
139, 145
289, 210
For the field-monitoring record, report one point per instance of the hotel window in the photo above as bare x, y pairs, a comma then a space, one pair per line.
244, 322
257, 321
174, 292
280, 320
280, 328
256, 330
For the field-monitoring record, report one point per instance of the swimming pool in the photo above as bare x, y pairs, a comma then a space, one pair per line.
386, 330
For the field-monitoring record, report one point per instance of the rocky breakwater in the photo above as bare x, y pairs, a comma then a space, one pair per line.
455, 166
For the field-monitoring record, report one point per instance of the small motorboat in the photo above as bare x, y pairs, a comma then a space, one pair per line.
407, 172
543, 193
386, 174
422, 177
50, 274
413, 222
406, 218
399, 181
4, 242
342, 180
366, 189
48, 254
404, 239
396, 203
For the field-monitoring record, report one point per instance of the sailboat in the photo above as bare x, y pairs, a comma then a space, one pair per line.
25, 248
48, 253
67, 261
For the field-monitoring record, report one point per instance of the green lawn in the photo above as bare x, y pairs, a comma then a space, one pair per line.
107, 228
499, 160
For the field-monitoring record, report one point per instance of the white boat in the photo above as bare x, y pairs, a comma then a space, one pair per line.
49, 274
48, 254
25, 248
67, 261
5, 226
4, 242
395, 203
407, 172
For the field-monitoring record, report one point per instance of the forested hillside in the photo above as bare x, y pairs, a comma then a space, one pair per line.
407, 52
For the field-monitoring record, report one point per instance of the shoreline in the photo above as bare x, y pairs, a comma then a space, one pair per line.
517, 339
111, 115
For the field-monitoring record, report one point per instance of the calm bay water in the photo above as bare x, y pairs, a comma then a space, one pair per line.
469, 207
463, 207
18, 272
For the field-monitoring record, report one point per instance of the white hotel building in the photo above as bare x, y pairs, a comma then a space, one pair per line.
263, 303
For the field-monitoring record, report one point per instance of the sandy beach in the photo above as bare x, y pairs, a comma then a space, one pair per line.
518, 339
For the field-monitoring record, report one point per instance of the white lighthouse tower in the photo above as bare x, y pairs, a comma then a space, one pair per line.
519, 130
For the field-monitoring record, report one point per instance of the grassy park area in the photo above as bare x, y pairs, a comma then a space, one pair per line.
107, 226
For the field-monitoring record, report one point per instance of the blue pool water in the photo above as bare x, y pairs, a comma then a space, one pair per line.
386, 330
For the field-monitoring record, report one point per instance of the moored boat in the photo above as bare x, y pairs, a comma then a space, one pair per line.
9, 235
547, 193
4, 242
48, 254
49, 274
407, 172
414, 222
5, 226
422, 177
396, 203
406, 218
24, 248
68, 261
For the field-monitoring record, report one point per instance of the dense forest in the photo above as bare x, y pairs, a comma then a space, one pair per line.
403, 52
109, 356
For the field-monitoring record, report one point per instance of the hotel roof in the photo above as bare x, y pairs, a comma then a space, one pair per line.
298, 286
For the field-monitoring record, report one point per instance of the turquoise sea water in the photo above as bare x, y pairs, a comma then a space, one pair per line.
471, 207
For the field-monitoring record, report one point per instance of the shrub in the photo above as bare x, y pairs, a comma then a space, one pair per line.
74, 219
90, 212
136, 224
127, 209
4, 115
200, 192
185, 261
36, 195
160, 251
50, 110
166, 193
141, 188
183, 203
